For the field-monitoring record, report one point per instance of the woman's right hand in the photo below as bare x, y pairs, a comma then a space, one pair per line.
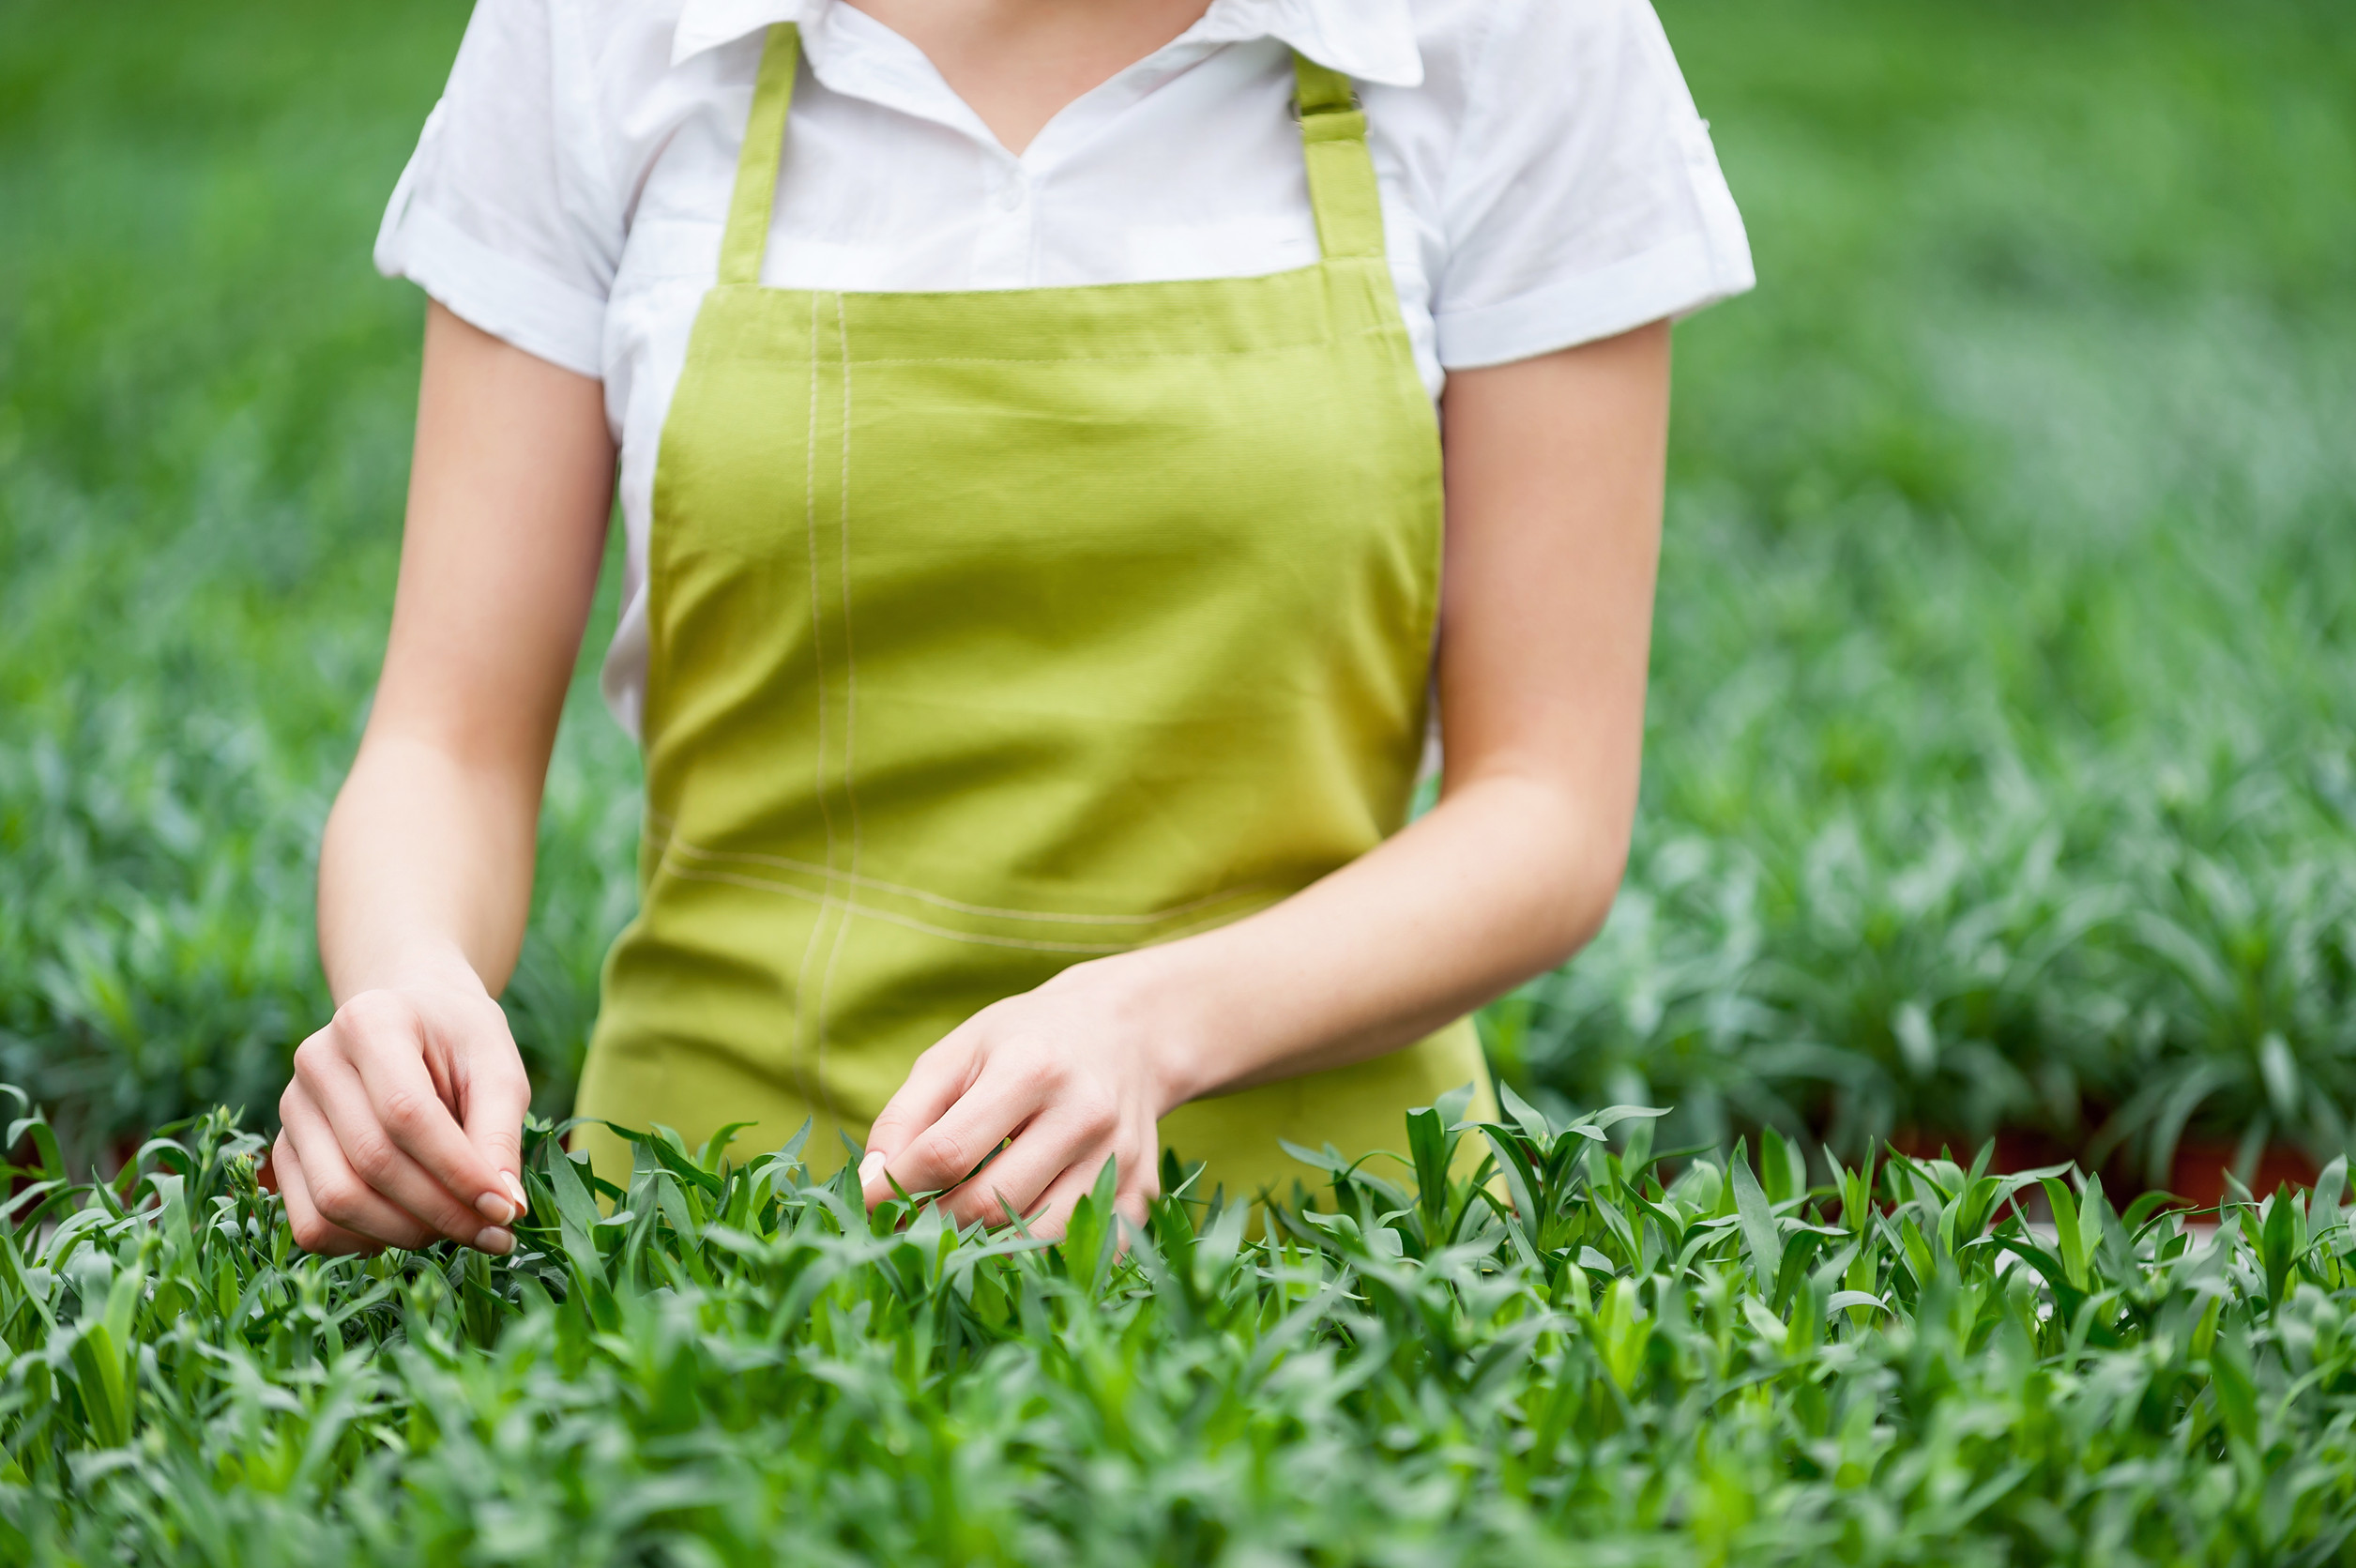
403, 1124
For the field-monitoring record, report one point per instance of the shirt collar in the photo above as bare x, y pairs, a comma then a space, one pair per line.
1370, 40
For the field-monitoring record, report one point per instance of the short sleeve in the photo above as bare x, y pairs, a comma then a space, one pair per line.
503, 213
1584, 197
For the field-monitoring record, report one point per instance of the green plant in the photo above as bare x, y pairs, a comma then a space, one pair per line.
1573, 1360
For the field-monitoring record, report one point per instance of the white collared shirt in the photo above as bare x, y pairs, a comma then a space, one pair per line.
1545, 182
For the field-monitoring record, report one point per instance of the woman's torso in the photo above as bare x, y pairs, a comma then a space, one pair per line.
993, 629
578, 208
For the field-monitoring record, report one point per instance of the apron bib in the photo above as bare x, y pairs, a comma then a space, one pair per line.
992, 631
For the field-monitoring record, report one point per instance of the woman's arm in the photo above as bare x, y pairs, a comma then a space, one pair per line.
1554, 472
402, 1122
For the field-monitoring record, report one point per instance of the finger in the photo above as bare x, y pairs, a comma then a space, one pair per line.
1054, 1210
387, 1169
1136, 1186
1012, 1184
933, 1084
495, 1097
406, 1104
946, 1153
312, 1233
1050, 1216
335, 1190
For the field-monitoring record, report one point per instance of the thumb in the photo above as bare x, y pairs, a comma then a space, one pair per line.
932, 1088
497, 1097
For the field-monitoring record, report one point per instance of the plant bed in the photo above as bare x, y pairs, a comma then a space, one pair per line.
736, 1366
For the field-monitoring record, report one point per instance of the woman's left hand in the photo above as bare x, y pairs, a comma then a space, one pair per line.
1075, 1072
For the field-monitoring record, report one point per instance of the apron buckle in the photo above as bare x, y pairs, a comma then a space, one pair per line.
1356, 105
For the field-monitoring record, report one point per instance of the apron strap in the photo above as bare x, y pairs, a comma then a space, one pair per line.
748, 233
1341, 187
1342, 184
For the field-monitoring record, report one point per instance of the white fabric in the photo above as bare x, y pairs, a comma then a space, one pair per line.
1546, 181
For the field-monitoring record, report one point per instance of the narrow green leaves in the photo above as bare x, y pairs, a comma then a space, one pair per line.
740, 1360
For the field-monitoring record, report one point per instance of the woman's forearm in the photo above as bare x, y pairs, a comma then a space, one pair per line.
427, 864
425, 874
1555, 476
1503, 880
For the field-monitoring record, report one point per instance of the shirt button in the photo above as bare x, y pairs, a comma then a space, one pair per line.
1012, 193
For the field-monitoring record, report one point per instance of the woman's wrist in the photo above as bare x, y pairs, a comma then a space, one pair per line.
1184, 1014
432, 965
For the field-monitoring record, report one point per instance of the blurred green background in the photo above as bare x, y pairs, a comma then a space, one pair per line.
2002, 765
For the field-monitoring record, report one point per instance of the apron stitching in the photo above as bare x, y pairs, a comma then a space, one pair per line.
1375, 331
817, 646
785, 863
850, 690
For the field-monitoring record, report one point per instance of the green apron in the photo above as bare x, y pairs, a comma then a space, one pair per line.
992, 631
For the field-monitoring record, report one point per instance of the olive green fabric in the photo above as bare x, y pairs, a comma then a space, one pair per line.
993, 631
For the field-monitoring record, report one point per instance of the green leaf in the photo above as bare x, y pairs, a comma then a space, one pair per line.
577, 1227
1612, 1115
1775, 1167
1533, 1121
1452, 1105
2070, 1235
573, 1202
1327, 1158
1622, 1331
1760, 1234
1430, 1147
2236, 1389
2278, 1247
715, 1148
2279, 1069
1798, 1253
1091, 1236
97, 1362
1521, 1180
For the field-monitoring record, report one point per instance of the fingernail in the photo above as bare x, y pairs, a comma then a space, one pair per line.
515, 1191
868, 1166
498, 1211
491, 1239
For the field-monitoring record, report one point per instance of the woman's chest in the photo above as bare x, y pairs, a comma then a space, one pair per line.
1197, 173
